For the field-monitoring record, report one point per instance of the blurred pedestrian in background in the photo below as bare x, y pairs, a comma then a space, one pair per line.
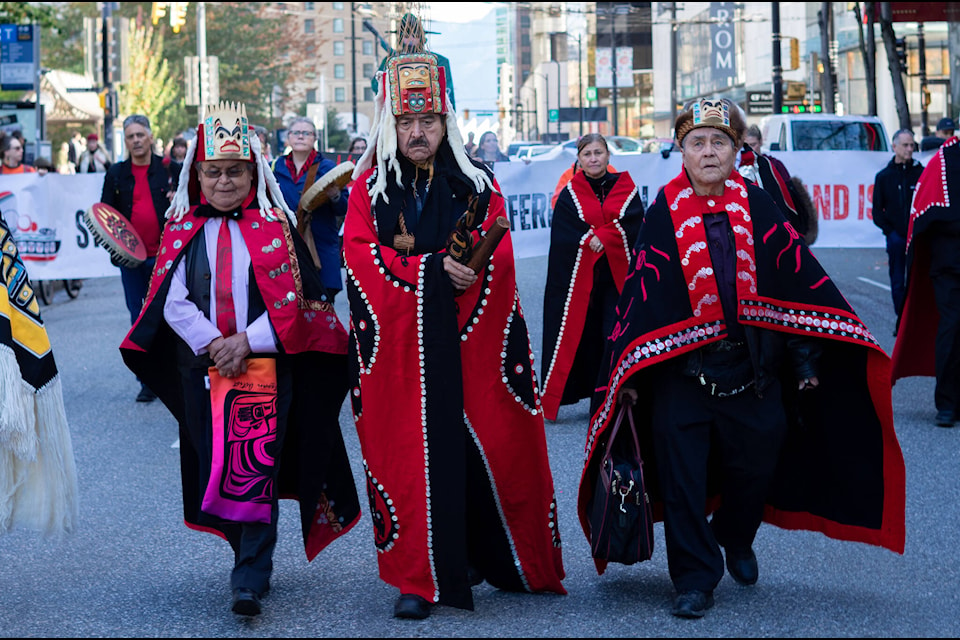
892, 196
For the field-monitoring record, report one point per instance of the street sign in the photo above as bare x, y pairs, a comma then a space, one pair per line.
761, 102
553, 115
590, 114
18, 58
592, 93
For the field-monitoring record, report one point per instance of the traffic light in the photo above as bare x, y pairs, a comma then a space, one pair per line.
158, 11
794, 54
178, 15
901, 48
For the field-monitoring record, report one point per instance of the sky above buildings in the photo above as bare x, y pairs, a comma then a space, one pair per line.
466, 34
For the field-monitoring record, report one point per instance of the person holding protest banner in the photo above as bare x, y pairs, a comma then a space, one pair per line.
595, 223
443, 392
240, 341
757, 391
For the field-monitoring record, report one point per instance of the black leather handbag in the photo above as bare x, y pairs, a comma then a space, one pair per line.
621, 521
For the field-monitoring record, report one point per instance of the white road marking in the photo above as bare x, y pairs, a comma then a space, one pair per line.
875, 283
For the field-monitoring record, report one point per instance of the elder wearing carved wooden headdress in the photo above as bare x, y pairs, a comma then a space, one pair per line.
443, 389
758, 392
238, 338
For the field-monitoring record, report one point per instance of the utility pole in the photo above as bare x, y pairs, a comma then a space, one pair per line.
353, 61
580, 68
777, 64
922, 53
202, 56
613, 58
673, 63
107, 84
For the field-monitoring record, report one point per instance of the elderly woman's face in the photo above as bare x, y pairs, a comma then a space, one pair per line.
225, 183
708, 156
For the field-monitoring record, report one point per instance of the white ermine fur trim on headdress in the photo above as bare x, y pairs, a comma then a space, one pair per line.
180, 203
268, 189
480, 178
365, 161
383, 147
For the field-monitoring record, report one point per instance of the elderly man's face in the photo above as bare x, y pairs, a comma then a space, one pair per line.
708, 157
225, 183
419, 136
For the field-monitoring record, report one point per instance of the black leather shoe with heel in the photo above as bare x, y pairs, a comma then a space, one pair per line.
411, 606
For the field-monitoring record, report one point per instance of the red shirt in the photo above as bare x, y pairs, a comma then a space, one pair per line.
144, 215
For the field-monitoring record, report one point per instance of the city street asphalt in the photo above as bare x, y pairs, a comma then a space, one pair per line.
132, 569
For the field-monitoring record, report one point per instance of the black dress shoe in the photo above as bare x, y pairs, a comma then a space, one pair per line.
945, 418
146, 395
246, 602
411, 606
742, 566
692, 604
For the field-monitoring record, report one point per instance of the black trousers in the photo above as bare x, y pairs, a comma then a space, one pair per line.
945, 274
253, 545
692, 431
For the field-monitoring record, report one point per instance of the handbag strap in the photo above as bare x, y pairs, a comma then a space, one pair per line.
625, 409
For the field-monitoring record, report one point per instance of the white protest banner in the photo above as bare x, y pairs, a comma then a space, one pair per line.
840, 184
45, 215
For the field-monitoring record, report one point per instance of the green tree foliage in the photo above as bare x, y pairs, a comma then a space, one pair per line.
256, 46
154, 93
42, 13
337, 136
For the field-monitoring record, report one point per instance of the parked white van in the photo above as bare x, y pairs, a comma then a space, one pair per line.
823, 132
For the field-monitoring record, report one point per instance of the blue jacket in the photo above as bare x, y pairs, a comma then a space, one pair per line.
324, 224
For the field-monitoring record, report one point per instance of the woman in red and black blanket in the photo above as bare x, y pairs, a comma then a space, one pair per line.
595, 221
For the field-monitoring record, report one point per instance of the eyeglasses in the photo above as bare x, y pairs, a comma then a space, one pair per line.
301, 134
232, 173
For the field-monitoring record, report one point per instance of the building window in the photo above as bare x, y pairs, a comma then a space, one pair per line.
311, 95
338, 25
311, 50
367, 94
340, 94
368, 47
308, 26
309, 6
337, 6
367, 70
338, 48
339, 72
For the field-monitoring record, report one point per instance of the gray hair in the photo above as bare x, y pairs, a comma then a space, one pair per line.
304, 120
897, 135
139, 119
754, 130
